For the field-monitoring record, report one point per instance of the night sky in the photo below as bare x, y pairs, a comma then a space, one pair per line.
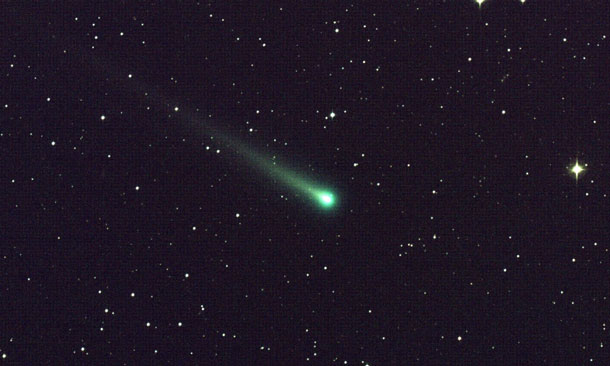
322, 183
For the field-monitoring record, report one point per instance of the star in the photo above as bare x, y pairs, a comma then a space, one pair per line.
577, 169
480, 2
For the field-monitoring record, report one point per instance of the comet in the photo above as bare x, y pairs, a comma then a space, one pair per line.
321, 195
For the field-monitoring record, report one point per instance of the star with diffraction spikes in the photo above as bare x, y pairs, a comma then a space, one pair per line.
577, 169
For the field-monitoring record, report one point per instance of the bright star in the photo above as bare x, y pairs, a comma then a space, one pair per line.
577, 169
480, 2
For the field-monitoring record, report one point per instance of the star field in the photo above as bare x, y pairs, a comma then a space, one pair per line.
305, 183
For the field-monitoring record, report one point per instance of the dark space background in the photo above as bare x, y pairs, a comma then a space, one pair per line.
460, 237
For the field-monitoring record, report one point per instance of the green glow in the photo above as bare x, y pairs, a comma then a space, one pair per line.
284, 175
290, 178
327, 199
269, 166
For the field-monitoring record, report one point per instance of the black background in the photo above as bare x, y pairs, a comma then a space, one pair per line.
461, 236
